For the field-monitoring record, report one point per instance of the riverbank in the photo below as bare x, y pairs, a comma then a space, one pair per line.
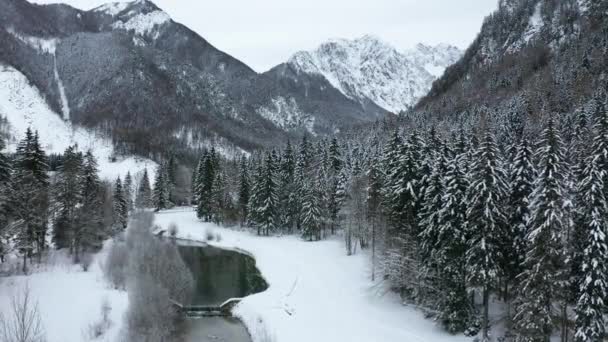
316, 292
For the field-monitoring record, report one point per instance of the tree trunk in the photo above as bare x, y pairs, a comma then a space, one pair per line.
564, 337
373, 249
485, 324
24, 269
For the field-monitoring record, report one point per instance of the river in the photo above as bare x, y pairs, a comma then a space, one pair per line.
219, 275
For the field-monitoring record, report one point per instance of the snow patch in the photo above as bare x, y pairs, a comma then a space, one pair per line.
112, 8
143, 24
23, 106
535, 24
195, 140
286, 114
65, 108
43, 45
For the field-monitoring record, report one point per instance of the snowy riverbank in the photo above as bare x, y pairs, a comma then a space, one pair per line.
316, 292
69, 299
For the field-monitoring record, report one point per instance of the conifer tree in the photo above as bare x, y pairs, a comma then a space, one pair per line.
206, 175
119, 205
244, 190
455, 309
128, 190
263, 203
5, 165
311, 210
593, 283
29, 199
68, 195
373, 201
486, 221
521, 179
541, 283
161, 189
90, 230
144, 193
218, 197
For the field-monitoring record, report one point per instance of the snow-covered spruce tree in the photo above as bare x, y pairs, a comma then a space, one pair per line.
593, 281
542, 281
433, 203
119, 205
244, 191
373, 203
403, 194
68, 198
143, 199
521, 179
285, 188
302, 173
263, 203
455, 309
5, 183
311, 210
128, 190
29, 198
90, 231
161, 189
486, 223
334, 174
218, 204
5, 165
205, 177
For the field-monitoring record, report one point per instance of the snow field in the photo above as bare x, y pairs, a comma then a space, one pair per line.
69, 299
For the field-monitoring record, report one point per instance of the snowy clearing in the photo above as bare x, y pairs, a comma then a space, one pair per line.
316, 292
69, 299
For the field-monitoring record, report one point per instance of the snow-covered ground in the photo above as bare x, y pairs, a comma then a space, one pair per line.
23, 106
69, 299
316, 292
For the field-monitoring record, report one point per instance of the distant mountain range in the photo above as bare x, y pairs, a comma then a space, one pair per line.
369, 70
128, 71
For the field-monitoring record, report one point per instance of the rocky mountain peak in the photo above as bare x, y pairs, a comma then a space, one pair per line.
370, 69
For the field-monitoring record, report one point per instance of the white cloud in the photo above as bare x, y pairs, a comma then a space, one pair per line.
263, 33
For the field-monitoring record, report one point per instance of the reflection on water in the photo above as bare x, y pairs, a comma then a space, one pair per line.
219, 275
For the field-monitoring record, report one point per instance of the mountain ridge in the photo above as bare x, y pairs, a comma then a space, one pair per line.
368, 68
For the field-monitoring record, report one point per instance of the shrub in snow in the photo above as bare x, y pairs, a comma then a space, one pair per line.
173, 230
99, 328
114, 266
150, 315
24, 323
85, 261
209, 234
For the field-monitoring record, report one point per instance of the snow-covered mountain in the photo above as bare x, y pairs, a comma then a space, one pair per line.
22, 106
368, 69
531, 58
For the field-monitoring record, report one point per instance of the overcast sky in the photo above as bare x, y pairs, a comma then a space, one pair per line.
263, 33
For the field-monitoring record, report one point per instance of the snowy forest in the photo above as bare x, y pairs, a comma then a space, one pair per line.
451, 219
357, 192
